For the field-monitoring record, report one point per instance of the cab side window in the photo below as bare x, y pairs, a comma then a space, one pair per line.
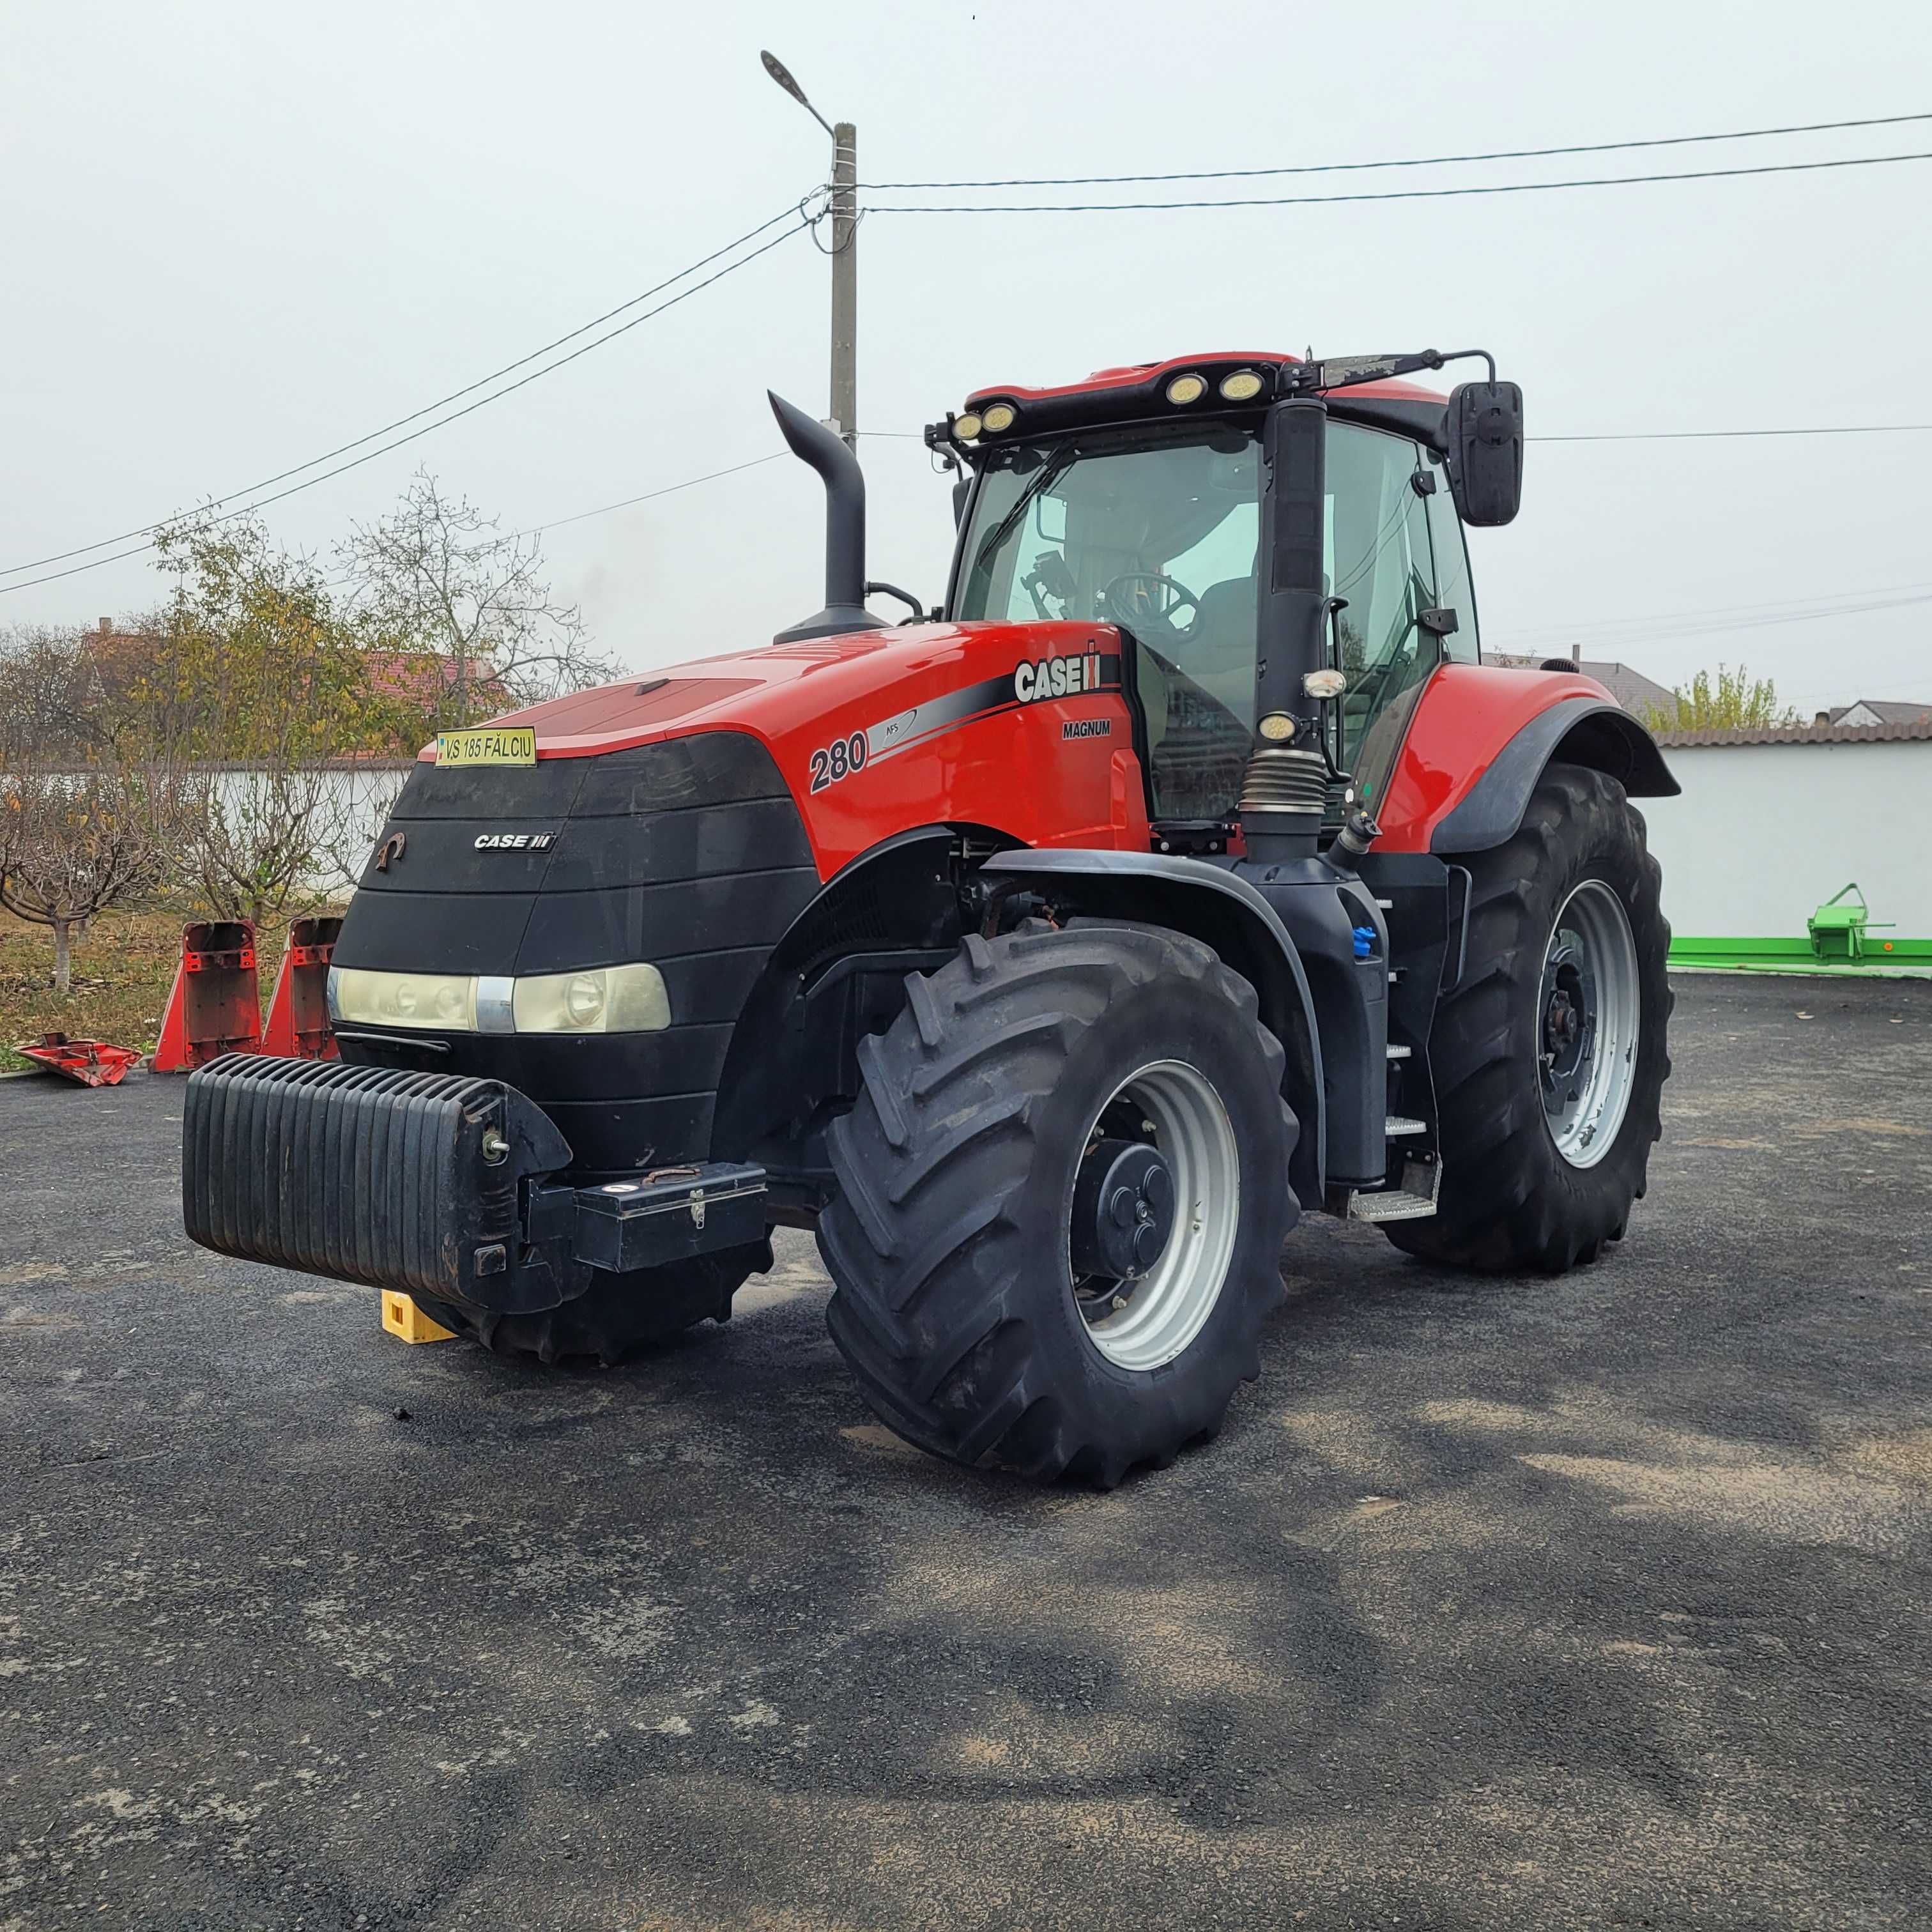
1379, 558
1455, 590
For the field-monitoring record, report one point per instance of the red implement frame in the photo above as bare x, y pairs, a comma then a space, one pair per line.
216, 1006
298, 1023
92, 1062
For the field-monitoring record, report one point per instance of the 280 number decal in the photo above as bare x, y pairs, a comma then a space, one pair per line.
838, 759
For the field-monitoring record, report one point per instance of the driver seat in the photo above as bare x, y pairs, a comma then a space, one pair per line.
1223, 634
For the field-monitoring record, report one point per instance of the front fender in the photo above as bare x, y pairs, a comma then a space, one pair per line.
1222, 910
1480, 739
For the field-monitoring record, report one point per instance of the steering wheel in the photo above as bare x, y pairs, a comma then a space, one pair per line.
1168, 597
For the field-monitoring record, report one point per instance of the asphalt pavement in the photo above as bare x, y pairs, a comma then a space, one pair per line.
1599, 1601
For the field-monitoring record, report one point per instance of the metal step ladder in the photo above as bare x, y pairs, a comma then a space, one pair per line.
1414, 1200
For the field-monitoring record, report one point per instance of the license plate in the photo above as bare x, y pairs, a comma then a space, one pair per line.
499, 744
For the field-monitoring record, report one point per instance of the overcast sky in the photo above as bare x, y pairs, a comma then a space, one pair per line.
237, 235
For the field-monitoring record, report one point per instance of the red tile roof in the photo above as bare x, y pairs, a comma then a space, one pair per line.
1918, 732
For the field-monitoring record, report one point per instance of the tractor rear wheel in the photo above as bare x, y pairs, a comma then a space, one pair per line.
1549, 1055
1064, 1190
618, 1315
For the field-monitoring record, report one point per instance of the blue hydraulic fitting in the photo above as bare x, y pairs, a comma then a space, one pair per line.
1365, 942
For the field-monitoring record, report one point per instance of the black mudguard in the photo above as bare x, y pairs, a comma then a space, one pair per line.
1224, 911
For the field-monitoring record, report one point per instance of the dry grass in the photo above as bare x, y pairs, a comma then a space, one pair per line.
122, 971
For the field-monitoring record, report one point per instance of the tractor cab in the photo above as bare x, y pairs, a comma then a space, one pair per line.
1138, 499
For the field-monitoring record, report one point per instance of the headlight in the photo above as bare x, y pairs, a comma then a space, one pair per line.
1184, 389
446, 1001
1243, 386
968, 426
998, 416
608, 999
601, 999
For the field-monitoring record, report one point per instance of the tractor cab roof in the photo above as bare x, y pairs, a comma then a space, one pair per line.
1215, 384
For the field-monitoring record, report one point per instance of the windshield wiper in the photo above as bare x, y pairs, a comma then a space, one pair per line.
1048, 472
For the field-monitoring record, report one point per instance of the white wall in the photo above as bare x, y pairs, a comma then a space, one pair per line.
353, 804
1764, 833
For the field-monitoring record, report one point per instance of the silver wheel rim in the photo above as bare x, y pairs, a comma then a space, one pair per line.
1148, 1322
1589, 1017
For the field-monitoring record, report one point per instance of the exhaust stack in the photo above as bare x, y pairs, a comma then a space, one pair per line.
844, 527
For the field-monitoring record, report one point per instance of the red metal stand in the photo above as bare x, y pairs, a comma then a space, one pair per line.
216, 1006
297, 1022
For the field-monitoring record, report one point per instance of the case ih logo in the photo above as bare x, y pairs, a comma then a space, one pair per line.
515, 842
1056, 677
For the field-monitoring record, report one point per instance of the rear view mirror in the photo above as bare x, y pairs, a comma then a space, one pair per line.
1485, 438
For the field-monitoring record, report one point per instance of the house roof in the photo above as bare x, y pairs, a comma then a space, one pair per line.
1888, 710
420, 678
425, 678
1631, 689
1918, 732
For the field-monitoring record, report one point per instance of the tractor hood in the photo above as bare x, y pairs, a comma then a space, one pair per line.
1016, 726
764, 691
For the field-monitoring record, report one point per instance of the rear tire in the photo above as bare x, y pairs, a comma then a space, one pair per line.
1511, 1198
957, 1304
618, 1315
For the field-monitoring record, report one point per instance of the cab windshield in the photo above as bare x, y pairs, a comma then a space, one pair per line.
1156, 533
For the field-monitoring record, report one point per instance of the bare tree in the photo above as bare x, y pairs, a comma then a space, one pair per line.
255, 838
435, 579
256, 685
50, 696
80, 830
348, 824
73, 843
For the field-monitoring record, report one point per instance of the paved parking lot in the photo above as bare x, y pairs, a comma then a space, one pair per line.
1595, 1601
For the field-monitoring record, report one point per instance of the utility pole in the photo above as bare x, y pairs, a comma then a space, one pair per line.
845, 281
844, 212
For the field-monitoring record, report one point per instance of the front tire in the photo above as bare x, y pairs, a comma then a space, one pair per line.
1550, 1054
975, 1316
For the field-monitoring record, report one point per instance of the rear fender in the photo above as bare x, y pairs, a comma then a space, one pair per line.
1480, 741
1221, 910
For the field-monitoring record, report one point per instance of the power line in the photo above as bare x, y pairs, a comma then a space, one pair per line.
1632, 436
604, 509
261, 502
1902, 590
1427, 161
1387, 194
455, 395
1608, 634
1699, 435
669, 490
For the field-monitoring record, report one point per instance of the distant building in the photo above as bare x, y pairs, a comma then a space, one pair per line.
1882, 711
425, 679
1638, 695
1769, 826
422, 680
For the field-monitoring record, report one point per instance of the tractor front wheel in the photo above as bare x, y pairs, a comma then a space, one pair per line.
1064, 1191
1549, 1054
618, 1315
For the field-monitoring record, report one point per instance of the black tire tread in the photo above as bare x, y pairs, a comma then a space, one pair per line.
1498, 1211
618, 1316
922, 1242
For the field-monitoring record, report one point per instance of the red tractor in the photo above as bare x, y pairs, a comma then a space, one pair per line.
1047, 955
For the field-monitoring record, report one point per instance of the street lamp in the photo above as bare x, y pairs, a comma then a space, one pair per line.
844, 212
